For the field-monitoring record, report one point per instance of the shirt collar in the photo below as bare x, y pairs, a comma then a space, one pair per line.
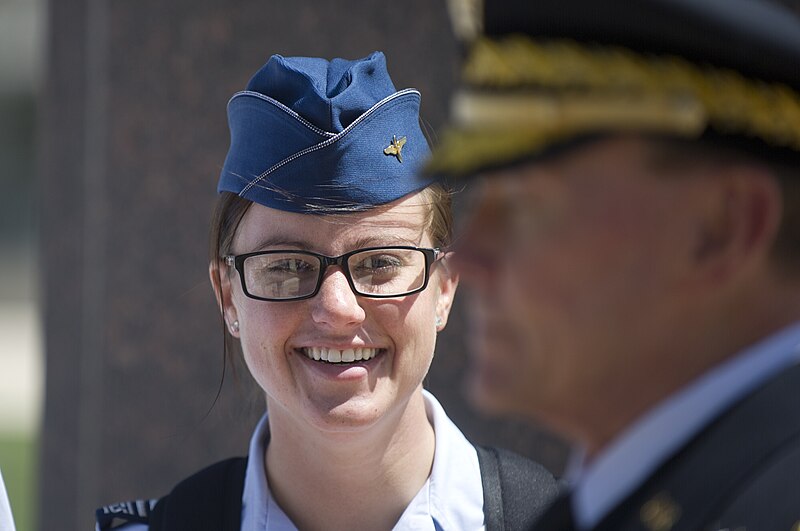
455, 488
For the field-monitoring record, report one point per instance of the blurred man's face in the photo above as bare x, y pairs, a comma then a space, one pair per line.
572, 264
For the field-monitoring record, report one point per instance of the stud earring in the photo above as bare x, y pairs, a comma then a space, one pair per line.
438, 321
235, 327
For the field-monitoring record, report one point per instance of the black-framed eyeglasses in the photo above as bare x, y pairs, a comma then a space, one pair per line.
376, 272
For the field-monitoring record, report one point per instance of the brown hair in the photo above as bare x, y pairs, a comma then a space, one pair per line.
230, 209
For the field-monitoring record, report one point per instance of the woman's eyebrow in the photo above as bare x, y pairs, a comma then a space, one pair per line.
378, 240
278, 241
383, 241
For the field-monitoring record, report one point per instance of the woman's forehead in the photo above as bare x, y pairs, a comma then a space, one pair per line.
402, 222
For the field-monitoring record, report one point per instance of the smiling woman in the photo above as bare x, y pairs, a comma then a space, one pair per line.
330, 264
335, 313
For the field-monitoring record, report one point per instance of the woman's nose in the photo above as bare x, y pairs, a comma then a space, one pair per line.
336, 304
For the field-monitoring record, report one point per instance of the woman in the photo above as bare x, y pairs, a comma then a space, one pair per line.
330, 266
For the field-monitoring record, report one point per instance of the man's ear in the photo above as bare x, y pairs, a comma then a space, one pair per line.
740, 221
221, 283
448, 283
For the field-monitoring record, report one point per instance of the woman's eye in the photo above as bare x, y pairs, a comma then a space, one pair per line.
379, 263
288, 266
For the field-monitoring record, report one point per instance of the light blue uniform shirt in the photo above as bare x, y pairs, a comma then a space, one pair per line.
629, 460
451, 499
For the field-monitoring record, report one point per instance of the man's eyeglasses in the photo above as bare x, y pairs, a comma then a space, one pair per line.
377, 272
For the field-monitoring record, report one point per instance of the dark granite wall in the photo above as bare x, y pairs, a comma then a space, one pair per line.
134, 134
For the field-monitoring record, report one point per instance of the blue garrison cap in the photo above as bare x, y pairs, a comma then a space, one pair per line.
312, 135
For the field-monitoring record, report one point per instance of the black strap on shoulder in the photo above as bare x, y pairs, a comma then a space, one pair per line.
492, 490
210, 500
516, 490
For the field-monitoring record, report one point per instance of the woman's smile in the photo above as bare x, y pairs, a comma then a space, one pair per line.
336, 367
341, 356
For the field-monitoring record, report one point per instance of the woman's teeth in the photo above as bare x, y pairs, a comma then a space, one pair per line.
348, 355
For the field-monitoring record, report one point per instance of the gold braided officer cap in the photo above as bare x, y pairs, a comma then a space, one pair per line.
542, 73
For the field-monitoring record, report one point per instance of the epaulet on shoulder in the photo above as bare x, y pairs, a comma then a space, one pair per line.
119, 514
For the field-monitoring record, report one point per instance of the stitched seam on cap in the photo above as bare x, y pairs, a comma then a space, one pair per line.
285, 109
330, 141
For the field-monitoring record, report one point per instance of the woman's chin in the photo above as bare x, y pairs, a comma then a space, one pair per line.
345, 414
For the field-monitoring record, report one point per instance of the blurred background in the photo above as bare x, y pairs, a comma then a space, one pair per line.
112, 134
21, 357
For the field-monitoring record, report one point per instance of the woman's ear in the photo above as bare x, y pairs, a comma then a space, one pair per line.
221, 283
448, 283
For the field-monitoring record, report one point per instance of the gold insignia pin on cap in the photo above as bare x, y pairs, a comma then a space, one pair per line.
396, 147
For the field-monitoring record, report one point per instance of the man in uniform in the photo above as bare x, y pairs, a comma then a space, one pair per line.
633, 245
